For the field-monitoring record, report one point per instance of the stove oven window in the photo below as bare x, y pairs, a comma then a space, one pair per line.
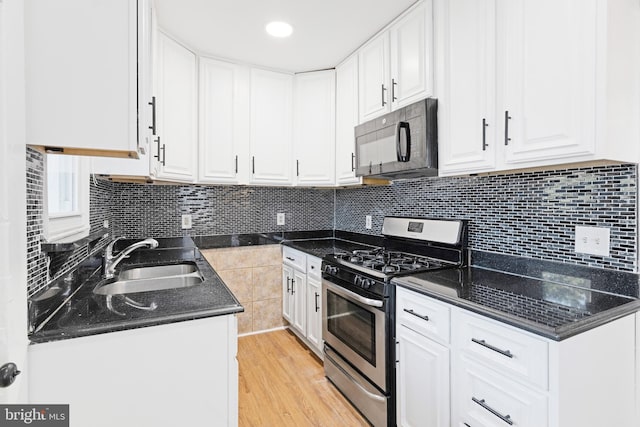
353, 325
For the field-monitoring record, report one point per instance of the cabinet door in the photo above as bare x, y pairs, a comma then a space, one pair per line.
373, 67
176, 111
547, 75
299, 295
128, 166
287, 299
81, 75
314, 128
271, 117
224, 108
422, 381
411, 56
314, 312
346, 121
466, 85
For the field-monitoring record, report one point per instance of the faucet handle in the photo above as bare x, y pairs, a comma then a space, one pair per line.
109, 249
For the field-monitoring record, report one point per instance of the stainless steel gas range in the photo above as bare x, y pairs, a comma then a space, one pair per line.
358, 306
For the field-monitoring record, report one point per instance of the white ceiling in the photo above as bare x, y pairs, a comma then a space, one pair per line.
324, 31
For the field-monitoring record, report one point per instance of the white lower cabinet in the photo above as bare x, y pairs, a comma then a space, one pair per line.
301, 296
422, 380
183, 373
502, 375
484, 398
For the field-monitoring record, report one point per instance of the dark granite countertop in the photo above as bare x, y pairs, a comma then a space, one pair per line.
321, 247
80, 312
551, 299
256, 239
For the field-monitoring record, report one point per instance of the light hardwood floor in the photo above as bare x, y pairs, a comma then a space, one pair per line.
282, 384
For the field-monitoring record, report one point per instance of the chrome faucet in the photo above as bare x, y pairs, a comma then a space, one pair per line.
110, 262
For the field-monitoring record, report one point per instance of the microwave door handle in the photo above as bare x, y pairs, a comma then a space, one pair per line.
400, 126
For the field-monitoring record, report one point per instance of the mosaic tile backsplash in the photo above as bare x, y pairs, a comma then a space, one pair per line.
147, 210
530, 214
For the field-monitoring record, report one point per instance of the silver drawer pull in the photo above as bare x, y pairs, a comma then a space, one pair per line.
290, 259
423, 317
490, 347
505, 418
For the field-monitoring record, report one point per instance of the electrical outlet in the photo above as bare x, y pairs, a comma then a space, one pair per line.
186, 221
280, 218
105, 224
368, 222
592, 240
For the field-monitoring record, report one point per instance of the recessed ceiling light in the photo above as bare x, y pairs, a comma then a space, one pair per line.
279, 29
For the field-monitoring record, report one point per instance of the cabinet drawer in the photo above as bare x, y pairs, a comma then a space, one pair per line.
483, 398
313, 267
513, 353
294, 258
422, 314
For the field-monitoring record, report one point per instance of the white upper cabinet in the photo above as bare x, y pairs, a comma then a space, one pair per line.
346, 121
224, 108
561, 86
395, 67
466, 86
175, 146
81, 61
139, 167
547, 78
411, 41
374, 73
314, 128
271, 125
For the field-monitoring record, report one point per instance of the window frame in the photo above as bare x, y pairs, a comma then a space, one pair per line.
74, 225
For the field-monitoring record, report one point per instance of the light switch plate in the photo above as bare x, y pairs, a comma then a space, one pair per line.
592, 240
186, 222
280, 218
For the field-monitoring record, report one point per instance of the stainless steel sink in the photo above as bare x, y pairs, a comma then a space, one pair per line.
152, 278
157, 271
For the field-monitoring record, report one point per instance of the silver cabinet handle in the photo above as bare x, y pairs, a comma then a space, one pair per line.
507, 117
236, 163
297, 167
484, 134
153, 115
393, 90
353, 164
317, 306
290, 259
505, 418
490, 347
421, 316
288, 287
382, 92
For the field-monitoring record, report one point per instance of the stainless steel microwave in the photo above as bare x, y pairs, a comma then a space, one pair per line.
400, 144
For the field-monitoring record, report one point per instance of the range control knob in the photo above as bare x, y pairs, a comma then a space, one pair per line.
366, 283
357, 280
329, 269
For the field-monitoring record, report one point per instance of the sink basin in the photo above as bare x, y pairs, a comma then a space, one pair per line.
152, 278
157, 271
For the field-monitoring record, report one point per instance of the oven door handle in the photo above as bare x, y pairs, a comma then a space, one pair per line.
353, 380
349, 294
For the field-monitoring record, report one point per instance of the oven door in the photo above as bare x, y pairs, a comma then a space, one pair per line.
354, 326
